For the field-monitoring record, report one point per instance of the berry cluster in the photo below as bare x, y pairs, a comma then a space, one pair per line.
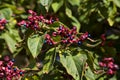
8, 70
49, 40
2, 23
34, 20
108, 64
103, 38
67, 36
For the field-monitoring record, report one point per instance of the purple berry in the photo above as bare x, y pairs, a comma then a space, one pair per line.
89, 35
14, 69
57, 58
20, 73
51, 43
13, 60
52, 20
79, 42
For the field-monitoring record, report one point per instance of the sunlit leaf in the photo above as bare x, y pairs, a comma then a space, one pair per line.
13, 8
11, 42
49, 60
73, 64
117, 2
90, 59
75, 22
35, 43
112, 10
74, 2
113, 37
89, 74
56, 5
6, 13
110, 21
46, 3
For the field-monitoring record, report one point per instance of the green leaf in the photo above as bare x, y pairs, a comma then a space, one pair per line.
49, 60
46, 3
15, 34
35, 77
56, 5
90, 59
75, 21
56, 38
35, 43
74, 2
113, 78
117, 3
112, 10
80, 60
110, 21
73, 64
55, 25
13, 7
113, 37
108, 51
89, 74
11, 42
6, 13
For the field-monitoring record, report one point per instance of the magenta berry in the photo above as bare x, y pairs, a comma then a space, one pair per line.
32, 12
6, 58
108, 60
54, 34
103, 38
108, 63
49, 40
101, 64
69, 36
74, 28
9, 67
84, 36
33, 20
8, 71
110, 72
115, 67
2, 23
